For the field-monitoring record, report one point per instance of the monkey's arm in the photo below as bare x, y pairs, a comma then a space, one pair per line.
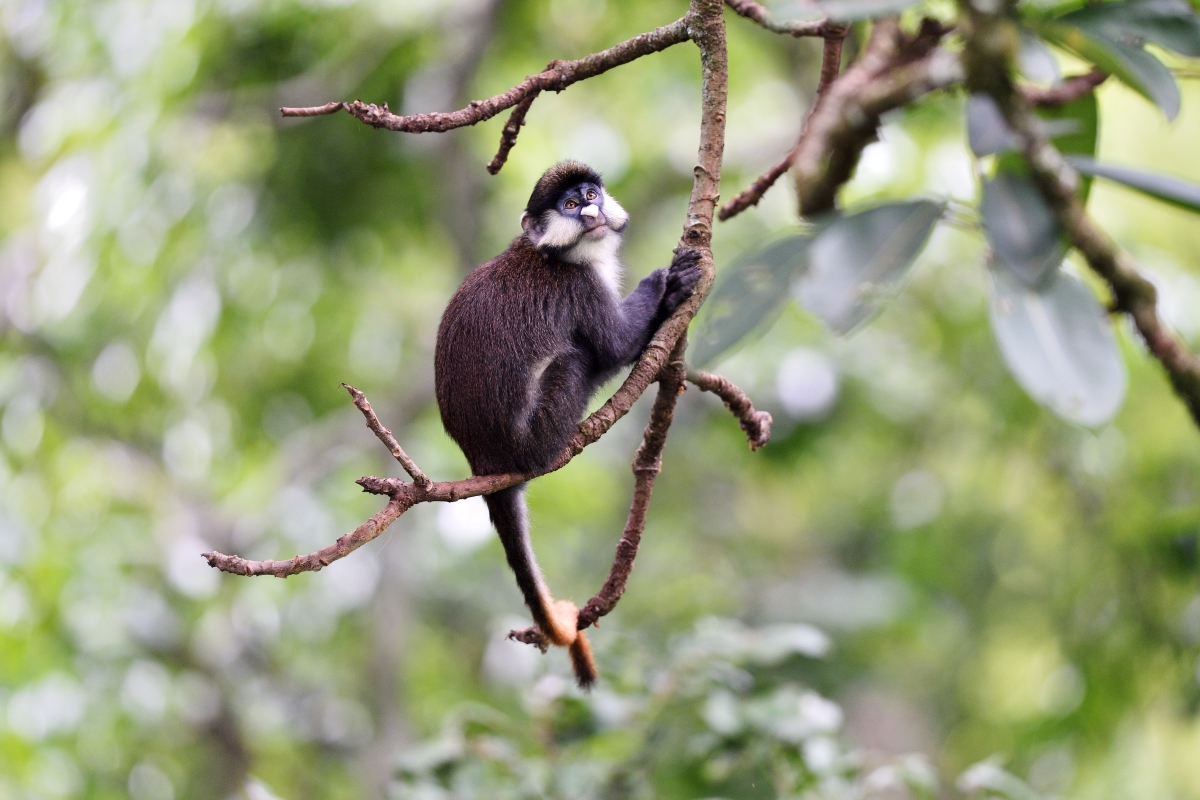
620, 341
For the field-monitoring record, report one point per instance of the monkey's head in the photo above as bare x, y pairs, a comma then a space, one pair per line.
571, 215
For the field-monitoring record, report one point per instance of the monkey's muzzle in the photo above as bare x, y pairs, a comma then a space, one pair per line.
595, 225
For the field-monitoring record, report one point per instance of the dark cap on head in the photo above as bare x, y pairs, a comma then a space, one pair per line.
559, 177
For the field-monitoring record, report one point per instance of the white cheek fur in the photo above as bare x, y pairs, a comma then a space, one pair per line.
560, 231
617, 216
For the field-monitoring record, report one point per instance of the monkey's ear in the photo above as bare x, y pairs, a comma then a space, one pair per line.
530, 224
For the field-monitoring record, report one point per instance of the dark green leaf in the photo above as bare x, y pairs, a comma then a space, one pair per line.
1058, 343
1164, 187
1083, 117
1168, 23
1071, 127
1021, 228
855, 259
753, 290
1138, 69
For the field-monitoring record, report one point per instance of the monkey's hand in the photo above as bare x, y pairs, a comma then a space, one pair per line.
682, 276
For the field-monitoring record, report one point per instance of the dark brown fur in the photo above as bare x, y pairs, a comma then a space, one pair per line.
523, 345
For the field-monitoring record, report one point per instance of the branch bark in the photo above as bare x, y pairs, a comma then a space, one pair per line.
831, 63
508, 136
385, 436
756, 424
894, 70
989, 44
558, 76
1069, 89
798, 28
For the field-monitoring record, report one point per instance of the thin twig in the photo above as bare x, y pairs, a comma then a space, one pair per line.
313, 111
985, 57
756, 424
1071, 88
646, 465
555, 78
831, 62
508, 136
385, 436
798, 28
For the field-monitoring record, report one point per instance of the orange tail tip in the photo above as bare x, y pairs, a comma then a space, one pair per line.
562, 616
583, 662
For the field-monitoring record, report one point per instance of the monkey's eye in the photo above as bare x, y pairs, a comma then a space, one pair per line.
571, 205
590, 195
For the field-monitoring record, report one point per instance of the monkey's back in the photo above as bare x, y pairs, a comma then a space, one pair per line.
511, 374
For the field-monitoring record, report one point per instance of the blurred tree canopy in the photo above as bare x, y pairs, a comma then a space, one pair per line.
929, 584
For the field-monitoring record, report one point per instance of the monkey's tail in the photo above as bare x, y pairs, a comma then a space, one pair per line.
555, 618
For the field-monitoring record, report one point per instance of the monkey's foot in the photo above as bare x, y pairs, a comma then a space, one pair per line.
531, 635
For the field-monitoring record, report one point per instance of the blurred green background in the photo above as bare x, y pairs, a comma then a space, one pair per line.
186, 278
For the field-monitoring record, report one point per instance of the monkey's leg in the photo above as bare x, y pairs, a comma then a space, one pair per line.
555, 618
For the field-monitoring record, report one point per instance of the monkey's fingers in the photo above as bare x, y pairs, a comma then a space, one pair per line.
688, 257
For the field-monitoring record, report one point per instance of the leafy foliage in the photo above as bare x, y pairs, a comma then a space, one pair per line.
1172, 190
1058, 343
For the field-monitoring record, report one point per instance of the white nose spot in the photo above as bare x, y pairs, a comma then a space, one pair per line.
590, 211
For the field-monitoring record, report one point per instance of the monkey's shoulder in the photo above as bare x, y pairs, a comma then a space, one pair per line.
525, 277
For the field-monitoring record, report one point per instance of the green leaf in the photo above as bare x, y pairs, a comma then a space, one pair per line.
1138, 69
1024, 235
855, 260
1059, 345
1171, 24
1078, 127
753, 290
1171, 190
1072, 128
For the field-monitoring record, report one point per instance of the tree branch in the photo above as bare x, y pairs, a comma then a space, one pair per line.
987, 56
558, 76
894, 70
1071, 88
756, 424
798, 28
831, 63
508, 136
385, 436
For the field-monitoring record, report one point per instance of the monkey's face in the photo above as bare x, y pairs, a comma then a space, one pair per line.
582, 213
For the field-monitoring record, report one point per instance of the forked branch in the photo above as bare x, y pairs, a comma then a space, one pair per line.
831, 63
894, 70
